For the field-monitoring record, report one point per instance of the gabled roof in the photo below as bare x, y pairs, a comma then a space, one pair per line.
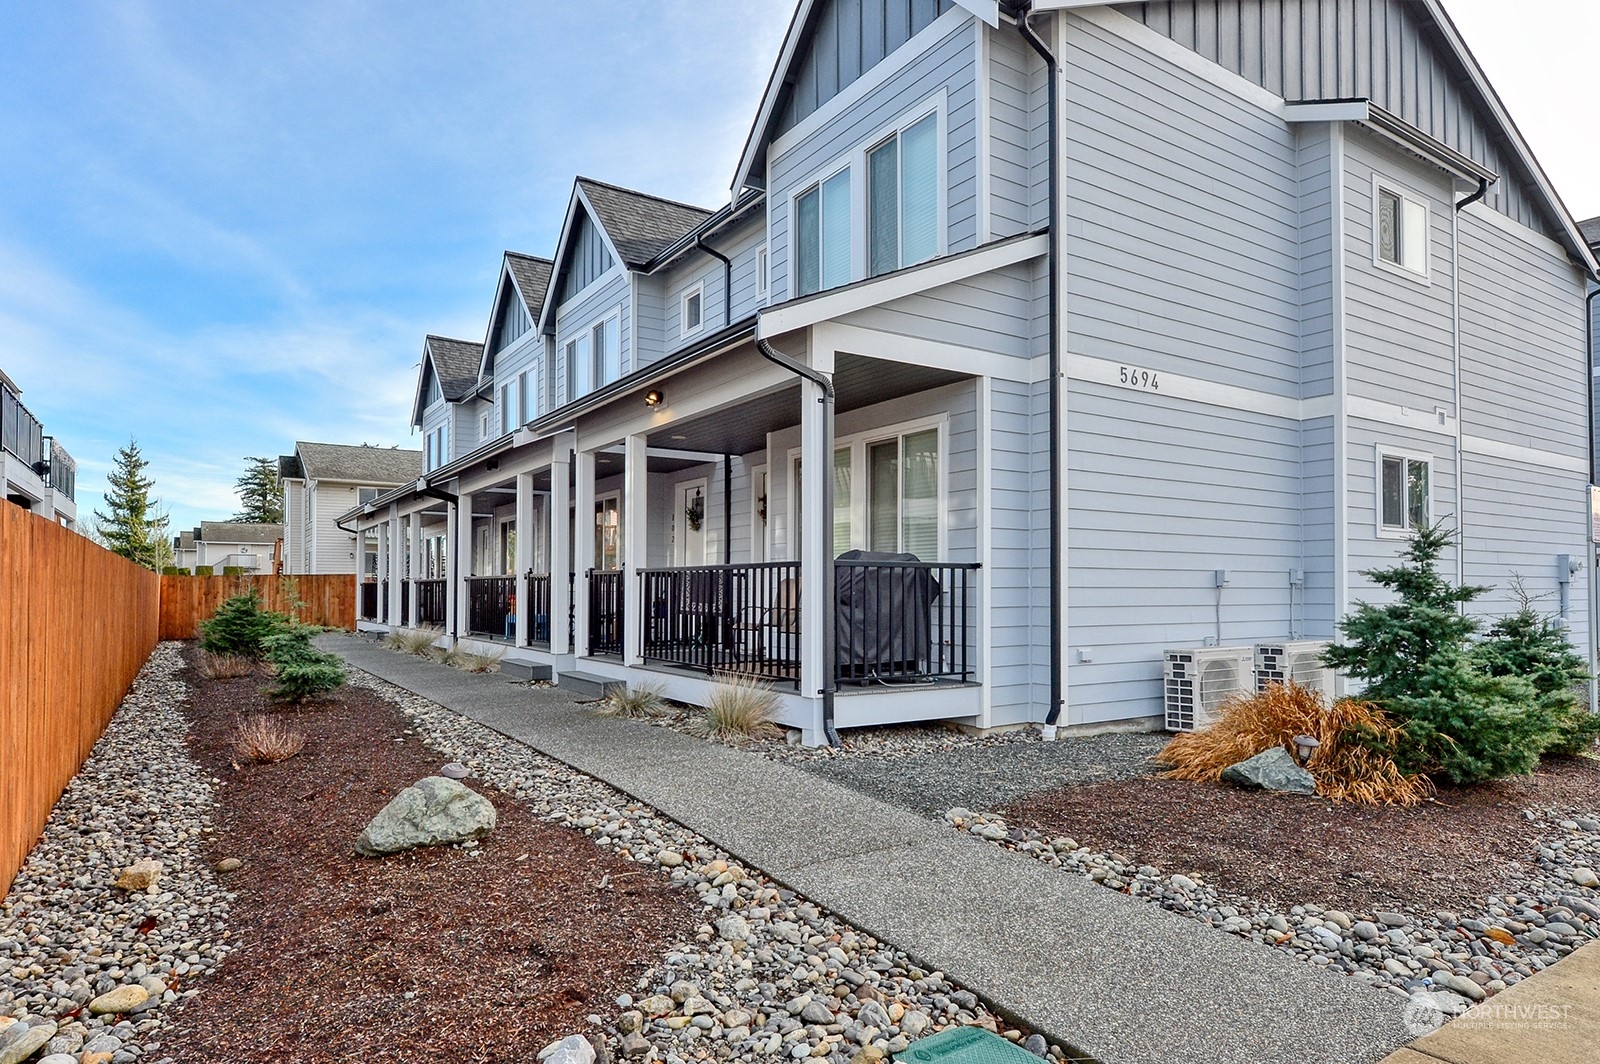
639, 225
529, 276
1590, 228
455, 363
239, 532
289, 467
184, 540
360, 464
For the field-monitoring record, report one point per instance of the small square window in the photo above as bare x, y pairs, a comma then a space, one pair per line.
693, 301
1405, 493
1400, 231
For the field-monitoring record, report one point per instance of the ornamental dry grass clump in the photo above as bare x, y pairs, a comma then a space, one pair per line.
225, 666
739, 707
459, 657
1348, 766
411, 640
261, 739
640, 700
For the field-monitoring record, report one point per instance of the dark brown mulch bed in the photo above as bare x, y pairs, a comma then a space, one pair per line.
503, 952
1287, 849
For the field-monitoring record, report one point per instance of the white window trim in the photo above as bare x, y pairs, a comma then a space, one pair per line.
1407, 194
596, 371
763, 265
858, 442
1382, 451
696, 289
856, 162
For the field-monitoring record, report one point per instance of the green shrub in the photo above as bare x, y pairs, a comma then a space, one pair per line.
203, 570
303, 671
173, 570
1535, 646
1415, 655
240, 626
233, 570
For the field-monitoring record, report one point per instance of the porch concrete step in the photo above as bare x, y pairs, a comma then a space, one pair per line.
587, 685
523, 671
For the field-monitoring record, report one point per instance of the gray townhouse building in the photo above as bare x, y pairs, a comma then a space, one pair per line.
1046, 359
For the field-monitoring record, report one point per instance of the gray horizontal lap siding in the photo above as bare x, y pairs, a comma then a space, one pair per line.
1018, 120
1318, 522
948, 64
1316, 261
1019, 614
598, 302
989, 312
1367, 547
651, 341
1161, 494
743, 247
1322, 50
1183, 212
1520, 519
1399, 345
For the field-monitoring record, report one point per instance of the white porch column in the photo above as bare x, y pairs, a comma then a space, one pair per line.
383, 566
464, 562
393, 563
816, 541
414, 573
452, 519
635, 546
560, 541
524, 559
582, 545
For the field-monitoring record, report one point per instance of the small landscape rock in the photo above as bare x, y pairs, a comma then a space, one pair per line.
1585, 877
455, 770
431, 812
141, 875
573, 1049
122, 999
18, 1043
1272, 770
229, 864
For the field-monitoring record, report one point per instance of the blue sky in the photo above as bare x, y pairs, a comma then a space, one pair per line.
227, 226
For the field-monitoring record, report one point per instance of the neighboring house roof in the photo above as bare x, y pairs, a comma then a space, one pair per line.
1590, 228
455, 363
640, 225
358, 464
238, 532
184, 540
289, 467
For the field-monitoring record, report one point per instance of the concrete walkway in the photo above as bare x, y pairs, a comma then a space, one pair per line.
1553, 1016
1119, 980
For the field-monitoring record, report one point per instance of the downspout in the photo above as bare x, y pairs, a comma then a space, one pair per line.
830, 617
1057, 648
1455, 342
727, 277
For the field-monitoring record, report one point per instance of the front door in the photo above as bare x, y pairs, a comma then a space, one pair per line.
689, 524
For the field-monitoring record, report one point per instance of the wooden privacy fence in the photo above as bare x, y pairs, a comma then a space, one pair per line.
76, 624
328, 600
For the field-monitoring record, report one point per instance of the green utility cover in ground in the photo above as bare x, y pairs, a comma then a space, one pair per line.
964, 1045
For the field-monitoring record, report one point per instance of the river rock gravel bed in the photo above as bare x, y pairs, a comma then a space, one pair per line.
1452, 959
102, 968
767, 975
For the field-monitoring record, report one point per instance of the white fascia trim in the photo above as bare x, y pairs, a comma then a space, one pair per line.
769, 97
987, 10
1516, 452
852, 94
1094, 370
1393, 129
893, 347
494, 315
810, 310
1142, 36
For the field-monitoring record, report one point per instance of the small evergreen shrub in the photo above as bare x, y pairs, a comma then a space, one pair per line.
240, 626
233, 570
303, 671
1535, 646
1457, 721
203, 570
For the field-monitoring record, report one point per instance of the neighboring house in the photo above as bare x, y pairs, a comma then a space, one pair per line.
1276, 287
36, 472
320, 481
227, 544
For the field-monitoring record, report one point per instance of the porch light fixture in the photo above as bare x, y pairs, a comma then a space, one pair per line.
654, 397
1304, 747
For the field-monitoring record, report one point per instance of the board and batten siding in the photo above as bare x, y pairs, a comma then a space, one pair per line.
948, 64
587, 258
1183, 240
1322, 50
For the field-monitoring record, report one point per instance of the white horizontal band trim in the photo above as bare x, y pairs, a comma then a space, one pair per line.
1094, 370
1415, 418
1516, 452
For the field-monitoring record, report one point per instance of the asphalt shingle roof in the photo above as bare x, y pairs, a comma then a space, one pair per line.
238, 532
640, 225
362, 464
1590, 228
533, 277
457, 362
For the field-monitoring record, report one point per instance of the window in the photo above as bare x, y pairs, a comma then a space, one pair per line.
525, 397
508, 406
608, 533
1400, 230
693, 310
607, 351
483, 426
1405, 491
903, 197
761, 271
363, 496
903, 494
433, 449
578, 372
822, 235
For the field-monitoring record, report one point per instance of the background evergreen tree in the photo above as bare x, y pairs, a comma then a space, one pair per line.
260, 499
1418, 662
133, 525
1534, 645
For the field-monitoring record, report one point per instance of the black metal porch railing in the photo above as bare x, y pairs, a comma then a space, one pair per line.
572, 612
903, 622
405, 603
538, 634
725, 618
383, 600
63, 470
489, 606
430, 601
21, 433
369, 601
605, 611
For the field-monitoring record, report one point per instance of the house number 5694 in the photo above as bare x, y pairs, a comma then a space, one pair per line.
1139, 378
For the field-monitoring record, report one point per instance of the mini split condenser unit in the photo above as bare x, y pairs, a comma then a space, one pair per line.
1300, 661
1199, 680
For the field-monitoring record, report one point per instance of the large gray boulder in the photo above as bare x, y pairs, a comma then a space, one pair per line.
1271, 770
431, 812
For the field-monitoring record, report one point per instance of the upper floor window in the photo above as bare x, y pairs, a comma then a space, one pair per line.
363, 496
822, 235
434, 392
433, 455
1400, 236
761, 271
607, 344
508, 406
1405, 490
693, 309
578, 371
903, 197
525, 396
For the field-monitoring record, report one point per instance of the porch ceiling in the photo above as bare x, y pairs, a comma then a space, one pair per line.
858, 381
